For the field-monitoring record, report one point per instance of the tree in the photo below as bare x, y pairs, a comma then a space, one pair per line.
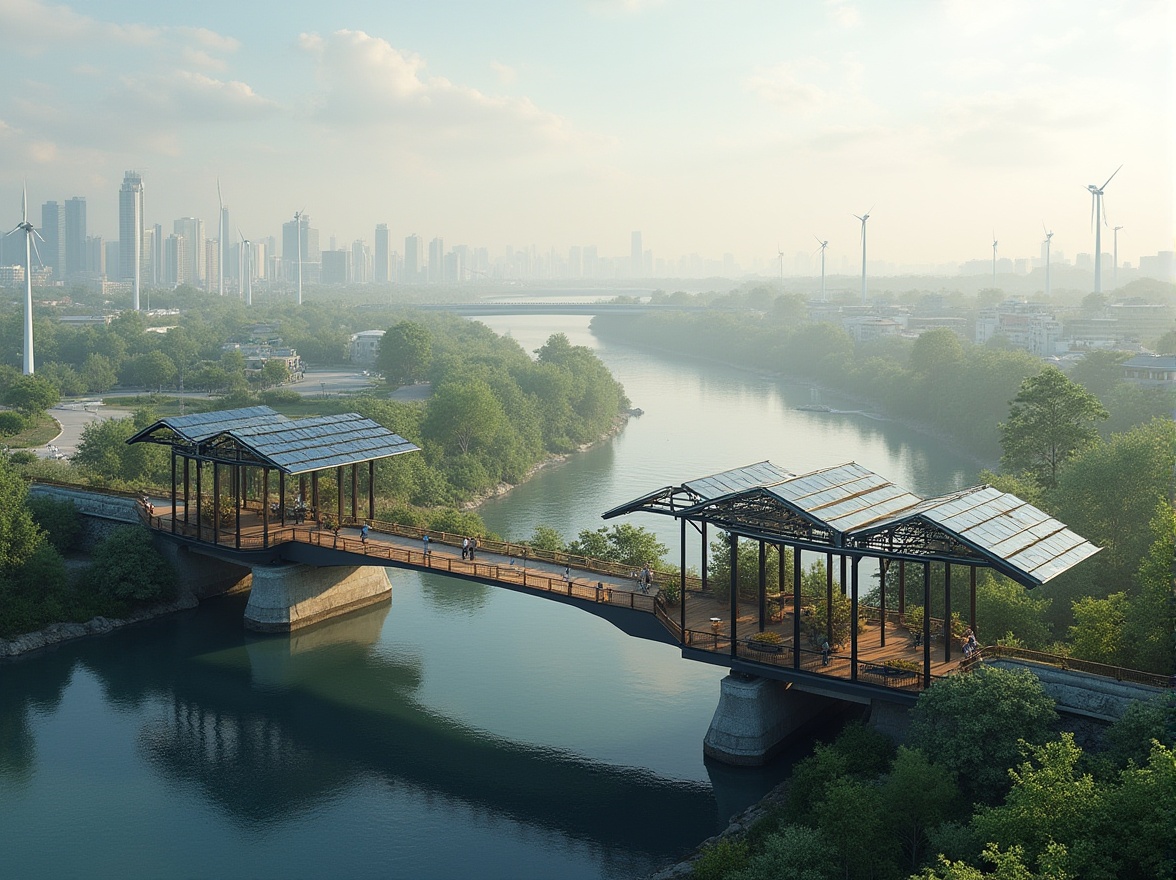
627, 544
406, 351
19, 534
273, 372
1097, 633
31, 395
1050, 420
973, 723
127, 567
1099, 371
1150, 631
98, 373
936, 352
546, 538
463, 416
917, 795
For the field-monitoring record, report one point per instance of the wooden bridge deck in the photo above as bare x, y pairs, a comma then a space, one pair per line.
707, 623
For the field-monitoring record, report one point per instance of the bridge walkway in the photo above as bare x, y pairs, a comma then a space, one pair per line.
889, 656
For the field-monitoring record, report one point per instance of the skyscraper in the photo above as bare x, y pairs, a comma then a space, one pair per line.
226, 242
192, 229
130, 231
381, 266
636, 255
52, 249
75, 237
413, 258
437, 260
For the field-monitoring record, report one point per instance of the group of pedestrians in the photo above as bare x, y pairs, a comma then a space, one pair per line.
469, 547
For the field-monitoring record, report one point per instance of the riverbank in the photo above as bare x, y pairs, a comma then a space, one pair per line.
56, 633
503, 488
923, 428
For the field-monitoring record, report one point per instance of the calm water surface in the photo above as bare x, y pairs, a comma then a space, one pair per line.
460, 731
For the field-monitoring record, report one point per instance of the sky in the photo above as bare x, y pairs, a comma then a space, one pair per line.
737, 127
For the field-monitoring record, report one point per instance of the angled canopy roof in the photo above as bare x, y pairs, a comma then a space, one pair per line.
672, 499
850, 507
259, 435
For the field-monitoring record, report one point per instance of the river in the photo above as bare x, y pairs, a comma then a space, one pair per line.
461, 731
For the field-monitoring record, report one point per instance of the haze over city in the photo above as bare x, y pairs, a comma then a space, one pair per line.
742, 129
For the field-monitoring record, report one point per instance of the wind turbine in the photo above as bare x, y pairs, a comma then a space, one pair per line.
220, 240
864, 217
1098, 216
780, 257
298, 230
994, 243
824, 244
246, 268
1115, 270
1048, 236
30, 245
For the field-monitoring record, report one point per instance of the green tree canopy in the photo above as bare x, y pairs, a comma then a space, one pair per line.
406, 350
31, 395
19, 534
1050, 420
973, 724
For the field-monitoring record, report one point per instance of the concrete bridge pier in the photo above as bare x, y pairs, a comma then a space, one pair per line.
756, 716
291, 595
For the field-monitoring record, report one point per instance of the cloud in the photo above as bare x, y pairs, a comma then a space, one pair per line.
780, 85
505, 73
186, 97
844, 14
368, 83
620, 7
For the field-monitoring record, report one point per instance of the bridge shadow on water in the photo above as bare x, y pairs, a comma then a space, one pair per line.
270, 727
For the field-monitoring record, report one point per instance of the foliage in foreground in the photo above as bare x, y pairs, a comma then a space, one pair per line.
857, 809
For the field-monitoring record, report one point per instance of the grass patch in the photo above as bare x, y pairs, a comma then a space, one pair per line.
39, 432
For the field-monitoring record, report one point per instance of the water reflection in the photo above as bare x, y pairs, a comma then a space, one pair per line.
447, 594
270, 728
19, 696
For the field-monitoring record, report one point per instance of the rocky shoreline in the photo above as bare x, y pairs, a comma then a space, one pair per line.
736, 829
56, 633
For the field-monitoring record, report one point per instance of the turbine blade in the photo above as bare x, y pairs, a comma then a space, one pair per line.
1093, 209
37, 234
220, 202
33, 240
1112, 177
1103, 204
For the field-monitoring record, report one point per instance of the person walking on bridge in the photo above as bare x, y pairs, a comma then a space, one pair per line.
465, 548
363, 534
425, 543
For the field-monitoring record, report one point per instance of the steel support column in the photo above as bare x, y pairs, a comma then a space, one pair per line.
682, 578
763, 584
884, 566
354, 491
947, 634
186, 485
215, 503
926, 624
265, 506
282, 498
339, 499
853, 622
173, 489
796, 608
829, 597
902, 586
972, 609
734, 587
371, 489
199, 500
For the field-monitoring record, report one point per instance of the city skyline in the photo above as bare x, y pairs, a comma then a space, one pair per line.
712, 131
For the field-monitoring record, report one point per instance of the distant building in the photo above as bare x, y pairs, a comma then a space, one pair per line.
381, 264
365, 346
864, 328
52, 247
414, 259
192, 231
1161, 266
75, 237
11, 276
130, 225
636, 255
436, 268
257, 355
1151, 371
335, 267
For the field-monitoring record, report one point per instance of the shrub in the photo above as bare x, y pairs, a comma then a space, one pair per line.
11, 422
721, 859
59, 519
127, 567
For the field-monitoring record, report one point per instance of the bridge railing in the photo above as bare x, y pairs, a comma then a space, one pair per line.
1119, 673
520, 551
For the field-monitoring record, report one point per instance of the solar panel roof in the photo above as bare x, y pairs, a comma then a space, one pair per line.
672, 498
292, 445
1014, 536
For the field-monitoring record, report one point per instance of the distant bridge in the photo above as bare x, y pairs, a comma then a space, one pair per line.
474, 309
